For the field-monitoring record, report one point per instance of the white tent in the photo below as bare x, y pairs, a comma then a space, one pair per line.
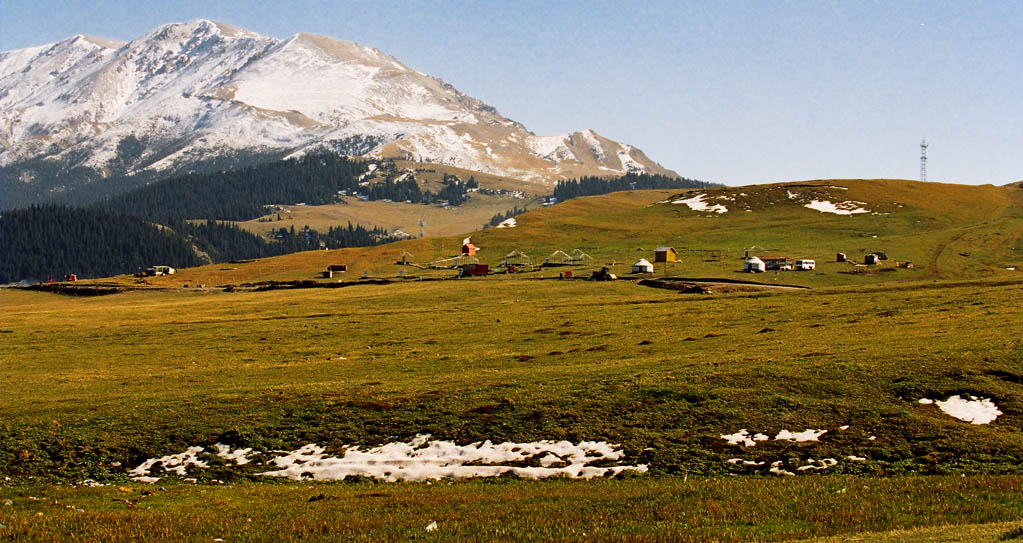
754, 265
642, 266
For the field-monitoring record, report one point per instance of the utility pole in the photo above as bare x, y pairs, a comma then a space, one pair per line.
923, 160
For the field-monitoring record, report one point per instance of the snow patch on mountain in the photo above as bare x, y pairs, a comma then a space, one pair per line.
196, 90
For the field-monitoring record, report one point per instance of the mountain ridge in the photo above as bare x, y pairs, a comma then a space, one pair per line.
185, 92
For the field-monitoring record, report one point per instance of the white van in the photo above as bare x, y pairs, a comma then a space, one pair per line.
804, 265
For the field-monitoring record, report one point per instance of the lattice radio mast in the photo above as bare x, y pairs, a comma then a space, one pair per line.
923, 160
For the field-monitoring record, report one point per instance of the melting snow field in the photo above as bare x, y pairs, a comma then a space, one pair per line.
696, 203
508, 223
974, 410
421, 459
744, 438
789, 466
841, 208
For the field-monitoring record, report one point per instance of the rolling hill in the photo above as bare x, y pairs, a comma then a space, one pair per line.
947, 231
889, 400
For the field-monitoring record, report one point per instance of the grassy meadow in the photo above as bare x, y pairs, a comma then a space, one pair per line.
94, 386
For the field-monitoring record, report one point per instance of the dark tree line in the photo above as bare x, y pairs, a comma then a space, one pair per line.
590, 186
224, 241
43, 242
501, 217
244, 194
240, 195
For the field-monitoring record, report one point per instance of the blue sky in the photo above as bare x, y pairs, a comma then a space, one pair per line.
734, 92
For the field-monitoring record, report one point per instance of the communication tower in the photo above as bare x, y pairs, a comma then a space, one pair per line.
422, 223
923, 160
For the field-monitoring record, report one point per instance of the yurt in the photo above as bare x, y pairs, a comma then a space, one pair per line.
754, 265
642, 266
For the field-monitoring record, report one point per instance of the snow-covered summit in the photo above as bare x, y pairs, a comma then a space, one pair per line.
201, 89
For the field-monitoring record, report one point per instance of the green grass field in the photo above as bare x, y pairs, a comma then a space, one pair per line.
92, 387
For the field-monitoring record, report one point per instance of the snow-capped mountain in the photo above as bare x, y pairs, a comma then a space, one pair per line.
184, 93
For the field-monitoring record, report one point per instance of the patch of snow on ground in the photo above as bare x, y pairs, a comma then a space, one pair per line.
841, 208
423, 459
742, 437
973, 410
696, 203
240, 456
805, 435
173, 463
508, 223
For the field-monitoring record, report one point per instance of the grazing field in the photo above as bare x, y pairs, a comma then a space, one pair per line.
946, 231
811, 398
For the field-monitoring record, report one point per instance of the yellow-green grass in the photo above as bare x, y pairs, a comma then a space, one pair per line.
639, 509
90, 381
391, 216
947, 231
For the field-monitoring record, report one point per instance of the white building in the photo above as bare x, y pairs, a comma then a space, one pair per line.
642, 266
754, 265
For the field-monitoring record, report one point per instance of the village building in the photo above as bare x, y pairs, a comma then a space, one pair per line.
805, 265
665, 254
754, 265
642, 266
777, 262
160, 270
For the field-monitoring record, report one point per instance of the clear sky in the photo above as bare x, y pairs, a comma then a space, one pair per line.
727, 91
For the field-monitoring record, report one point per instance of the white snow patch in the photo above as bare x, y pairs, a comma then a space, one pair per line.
173, 463
696, 203
844, 428
840, 208
805, 435
926, 401
742, 437
423, 459
974, 410
508, 223
778, 471
854, 458
240, 456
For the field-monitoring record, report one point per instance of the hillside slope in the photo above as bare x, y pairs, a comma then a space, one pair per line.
946, 231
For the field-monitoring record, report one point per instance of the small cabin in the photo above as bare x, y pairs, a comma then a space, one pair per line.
871, 259
642, 266
71, 277
665, 254
160, 270
754, 265
469, 249
805, 265
472, 270
840, 257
